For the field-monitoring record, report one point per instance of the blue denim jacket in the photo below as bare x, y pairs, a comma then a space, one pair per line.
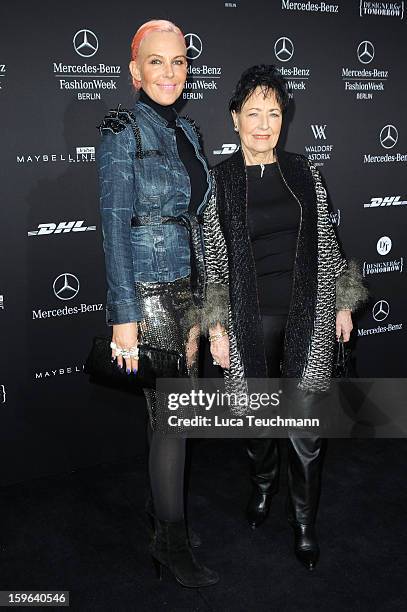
153, 184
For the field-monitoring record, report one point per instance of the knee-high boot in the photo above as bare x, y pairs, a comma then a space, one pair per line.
264, 461
305, 458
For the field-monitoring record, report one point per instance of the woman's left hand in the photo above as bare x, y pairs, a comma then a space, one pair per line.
344, 324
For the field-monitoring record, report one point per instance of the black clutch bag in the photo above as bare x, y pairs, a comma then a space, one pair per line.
153, 363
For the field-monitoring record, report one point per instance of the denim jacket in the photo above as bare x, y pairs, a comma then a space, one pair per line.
142, 175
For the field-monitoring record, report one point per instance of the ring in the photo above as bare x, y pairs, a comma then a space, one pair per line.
118, 352
215, 362
113, 345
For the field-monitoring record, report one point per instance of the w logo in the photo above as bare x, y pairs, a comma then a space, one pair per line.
319, 131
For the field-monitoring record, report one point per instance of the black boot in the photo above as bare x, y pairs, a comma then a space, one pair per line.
170, 548
264, 472
193, 537
305, 457
305, 544
258, 507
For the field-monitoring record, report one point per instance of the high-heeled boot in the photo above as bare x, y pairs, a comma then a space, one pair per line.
170, 548
193, 537
306, 546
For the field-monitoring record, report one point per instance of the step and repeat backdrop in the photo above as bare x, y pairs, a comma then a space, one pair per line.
62, 67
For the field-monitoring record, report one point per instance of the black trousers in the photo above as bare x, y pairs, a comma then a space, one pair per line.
305, 455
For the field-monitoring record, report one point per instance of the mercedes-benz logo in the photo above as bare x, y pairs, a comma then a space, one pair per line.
389, 136
284, 49
381, 310
365, 52
85, 43
194, 46
66, 286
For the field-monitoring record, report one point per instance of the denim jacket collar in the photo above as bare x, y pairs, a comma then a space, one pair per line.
153, 115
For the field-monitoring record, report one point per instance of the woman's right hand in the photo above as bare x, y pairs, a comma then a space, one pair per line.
125, 336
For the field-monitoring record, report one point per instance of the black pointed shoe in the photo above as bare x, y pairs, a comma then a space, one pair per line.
258, 508
305, 544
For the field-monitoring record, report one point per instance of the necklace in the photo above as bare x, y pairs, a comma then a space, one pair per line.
262, 170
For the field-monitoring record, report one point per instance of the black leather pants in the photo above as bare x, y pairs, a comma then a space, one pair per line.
305, 454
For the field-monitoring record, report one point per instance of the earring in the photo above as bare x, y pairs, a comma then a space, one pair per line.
236, 128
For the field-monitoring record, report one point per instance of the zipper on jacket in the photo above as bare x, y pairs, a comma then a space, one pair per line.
298, 237
251, 249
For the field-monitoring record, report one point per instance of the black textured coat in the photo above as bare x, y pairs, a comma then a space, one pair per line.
318, 262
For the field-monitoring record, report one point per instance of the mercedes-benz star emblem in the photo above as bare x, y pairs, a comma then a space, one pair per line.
284, 49
85, 43
381, 310
194, 46
365, 52
66, 286
389, 136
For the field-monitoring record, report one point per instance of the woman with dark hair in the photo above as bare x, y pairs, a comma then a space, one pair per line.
154, 184
270, 240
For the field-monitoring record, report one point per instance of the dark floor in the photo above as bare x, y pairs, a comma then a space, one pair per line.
86, 532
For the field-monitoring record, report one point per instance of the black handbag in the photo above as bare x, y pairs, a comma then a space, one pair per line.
153, 363
344, 361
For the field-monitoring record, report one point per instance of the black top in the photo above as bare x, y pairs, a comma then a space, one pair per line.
186, 152
273, 217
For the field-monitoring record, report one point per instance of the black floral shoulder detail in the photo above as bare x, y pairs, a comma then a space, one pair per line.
116, 120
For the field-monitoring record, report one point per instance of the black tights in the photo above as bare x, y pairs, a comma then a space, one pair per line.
166, 467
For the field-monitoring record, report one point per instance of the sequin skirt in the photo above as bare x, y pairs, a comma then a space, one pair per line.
170, 321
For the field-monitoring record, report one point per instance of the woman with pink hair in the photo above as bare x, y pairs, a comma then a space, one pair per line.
154, 186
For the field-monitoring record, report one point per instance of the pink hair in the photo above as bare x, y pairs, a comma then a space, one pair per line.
155, 25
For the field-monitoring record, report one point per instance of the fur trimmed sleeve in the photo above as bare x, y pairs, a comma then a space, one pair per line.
350, 290
216, 306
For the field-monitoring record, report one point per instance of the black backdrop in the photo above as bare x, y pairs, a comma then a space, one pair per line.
62, 66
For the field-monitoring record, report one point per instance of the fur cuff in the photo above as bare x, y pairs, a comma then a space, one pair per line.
350, 290
216, 306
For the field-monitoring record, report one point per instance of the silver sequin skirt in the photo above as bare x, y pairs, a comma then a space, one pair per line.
170, 321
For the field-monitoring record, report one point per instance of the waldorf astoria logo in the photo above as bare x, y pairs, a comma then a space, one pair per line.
320, 150
202, 79
381, 9
297, 77
87, 81
1, 302
2, 394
